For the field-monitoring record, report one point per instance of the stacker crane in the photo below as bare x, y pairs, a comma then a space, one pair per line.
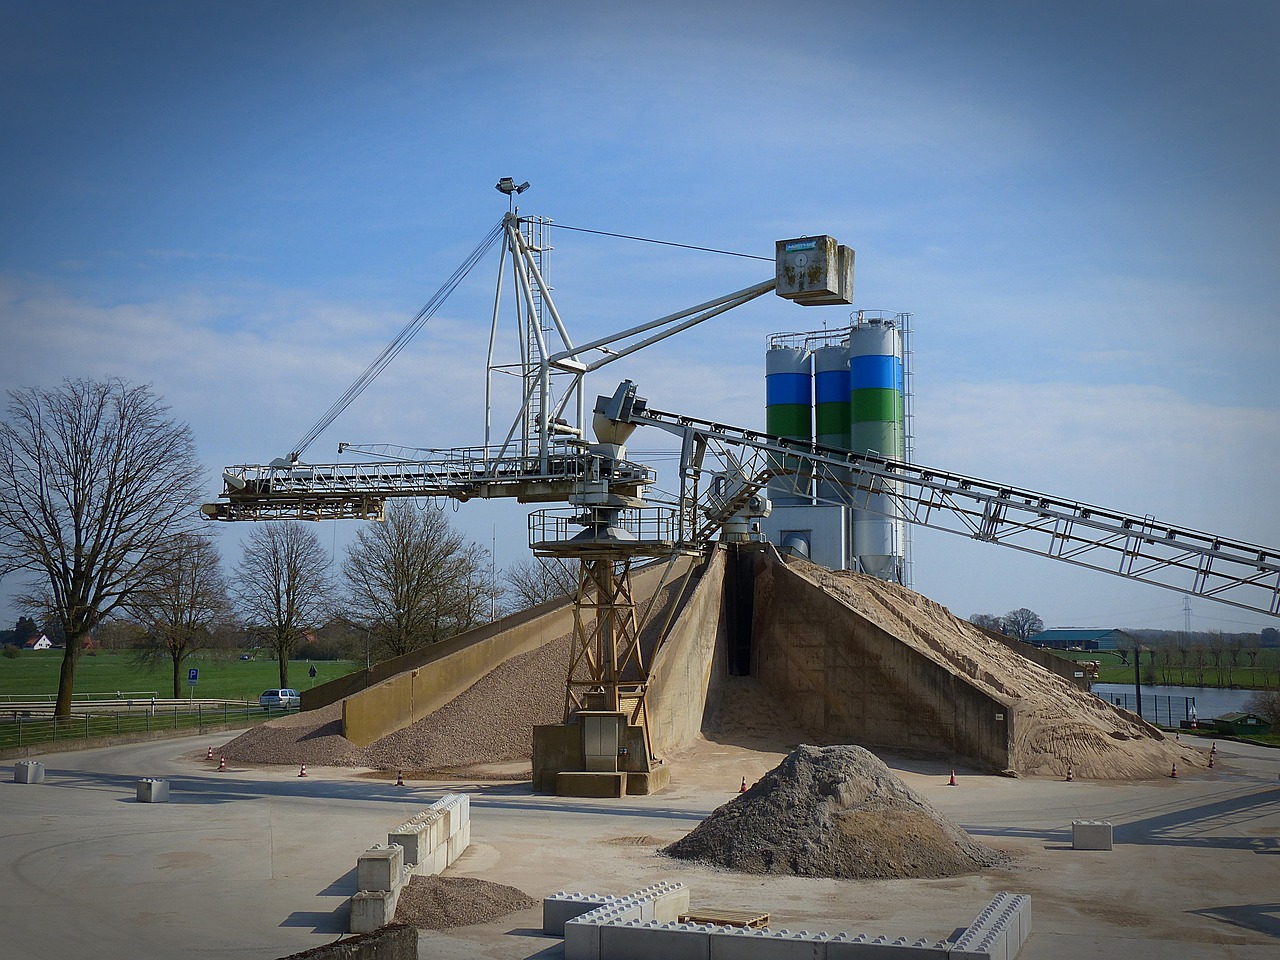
613, 519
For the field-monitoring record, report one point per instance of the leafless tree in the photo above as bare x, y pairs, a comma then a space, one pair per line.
94, 480
282, 585
182, 602
537, 580
1023, 623
413, 580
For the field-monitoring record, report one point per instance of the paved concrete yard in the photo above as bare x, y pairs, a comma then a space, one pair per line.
258, 863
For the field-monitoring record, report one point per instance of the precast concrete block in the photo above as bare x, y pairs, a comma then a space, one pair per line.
582, 934
665, 901
456, 846
413, 837
28, 771
644, 940
1091, 835
740, 943
559, 908
380, 868
371, 909
153, 791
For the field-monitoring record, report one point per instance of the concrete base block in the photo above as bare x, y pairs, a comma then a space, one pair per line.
637, 940
371, 909
153, 791
380, 869
577, 783
643, 784
1091, 835
559, 909
28, 771
739, 943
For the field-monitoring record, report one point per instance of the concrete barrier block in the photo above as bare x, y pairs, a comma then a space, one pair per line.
28, 771
560, 908
153, 791
380, 868
644, 940
371, 909
738, 943
455, 846
415, 837
1091, 835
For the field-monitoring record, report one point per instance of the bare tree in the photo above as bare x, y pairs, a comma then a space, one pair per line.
182, 602
282, 585
413, 580
1023, 623
537, 580
94, 480
988, 621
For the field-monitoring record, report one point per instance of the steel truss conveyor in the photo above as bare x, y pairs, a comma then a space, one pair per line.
1242, 574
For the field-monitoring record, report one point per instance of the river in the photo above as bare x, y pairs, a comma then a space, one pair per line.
1170, 705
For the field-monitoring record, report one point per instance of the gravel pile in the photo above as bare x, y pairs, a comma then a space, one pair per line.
489, 723
833, 812
439, 903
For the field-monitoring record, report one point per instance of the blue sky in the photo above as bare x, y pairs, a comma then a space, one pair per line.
241, 203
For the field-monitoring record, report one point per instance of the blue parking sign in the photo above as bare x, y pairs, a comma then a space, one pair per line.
193, 675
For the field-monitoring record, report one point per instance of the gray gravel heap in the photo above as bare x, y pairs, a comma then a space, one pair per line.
833, 812
439, 903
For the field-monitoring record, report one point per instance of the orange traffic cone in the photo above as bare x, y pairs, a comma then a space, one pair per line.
1213, 748
1211, 760
222, 762
1071, 774
743, 788
399, 778
303, 771
952, 781
209, 756
1174, 773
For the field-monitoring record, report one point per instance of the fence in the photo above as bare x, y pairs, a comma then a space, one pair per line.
1159, 709
20, 728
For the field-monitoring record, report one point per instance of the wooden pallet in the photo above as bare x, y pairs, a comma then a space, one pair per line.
727, 918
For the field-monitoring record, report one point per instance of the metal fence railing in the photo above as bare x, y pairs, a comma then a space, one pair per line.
20, 728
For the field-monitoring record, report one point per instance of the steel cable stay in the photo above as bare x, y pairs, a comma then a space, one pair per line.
397, 344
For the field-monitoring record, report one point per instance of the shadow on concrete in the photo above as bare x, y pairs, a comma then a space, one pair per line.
1186, 827
344, 886
320, 921
1261, 918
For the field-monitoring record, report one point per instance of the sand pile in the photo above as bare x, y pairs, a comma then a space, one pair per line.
440, 903
833, 812
1053, 721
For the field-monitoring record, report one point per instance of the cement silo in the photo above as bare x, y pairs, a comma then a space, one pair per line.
788, 410
831, 409
876, 412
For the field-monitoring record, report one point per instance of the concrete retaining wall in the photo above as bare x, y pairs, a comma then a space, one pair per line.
685, 678
647, 924
427, 843
849, 681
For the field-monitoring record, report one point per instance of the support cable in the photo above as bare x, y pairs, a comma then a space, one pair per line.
402, 339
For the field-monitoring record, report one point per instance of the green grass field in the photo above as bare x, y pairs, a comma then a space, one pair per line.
34, 673
1112, 670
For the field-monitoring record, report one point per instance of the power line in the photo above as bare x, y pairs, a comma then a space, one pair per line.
666, 243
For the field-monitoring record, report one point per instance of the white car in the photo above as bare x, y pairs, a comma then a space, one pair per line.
283, 699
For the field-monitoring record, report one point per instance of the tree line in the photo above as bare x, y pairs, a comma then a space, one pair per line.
99, 511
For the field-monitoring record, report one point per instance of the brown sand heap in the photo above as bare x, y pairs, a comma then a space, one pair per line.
441, 903
1053, 722
833, 812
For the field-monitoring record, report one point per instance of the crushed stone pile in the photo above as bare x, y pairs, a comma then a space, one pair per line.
441, 903
491, 722
834, 811
1054, 722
